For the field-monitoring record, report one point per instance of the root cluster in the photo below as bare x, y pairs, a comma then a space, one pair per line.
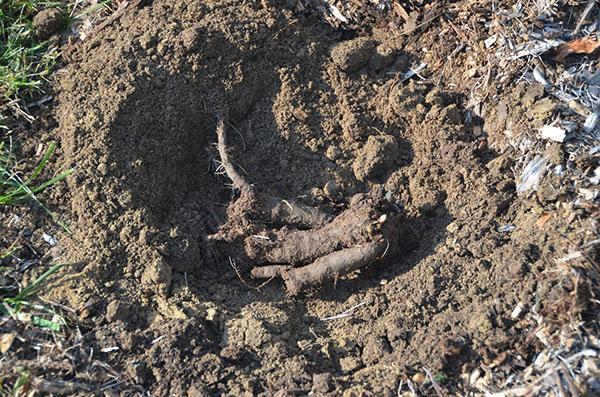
305, 246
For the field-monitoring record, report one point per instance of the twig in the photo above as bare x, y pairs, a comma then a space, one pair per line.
425, 22
400, 384
584, 15
387, 247
158, 339
436, 386
123, 7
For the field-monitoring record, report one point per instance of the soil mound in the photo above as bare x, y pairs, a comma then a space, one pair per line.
315, 115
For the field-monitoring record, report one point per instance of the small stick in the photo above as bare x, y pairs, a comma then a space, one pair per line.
123, 7
584, 15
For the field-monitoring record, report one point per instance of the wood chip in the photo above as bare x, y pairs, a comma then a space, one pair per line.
553, 133
545, 217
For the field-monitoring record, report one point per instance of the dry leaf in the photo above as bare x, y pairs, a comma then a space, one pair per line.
583, 45
6, 341
419, 378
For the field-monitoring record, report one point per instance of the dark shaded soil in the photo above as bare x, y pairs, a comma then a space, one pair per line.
316, 115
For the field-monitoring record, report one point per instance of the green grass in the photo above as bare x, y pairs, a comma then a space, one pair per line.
16, 189
24, 306
25, 62
20, 386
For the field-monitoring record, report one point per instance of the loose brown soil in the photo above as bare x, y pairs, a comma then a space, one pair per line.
316, 115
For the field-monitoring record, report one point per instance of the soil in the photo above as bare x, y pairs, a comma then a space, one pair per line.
316, 115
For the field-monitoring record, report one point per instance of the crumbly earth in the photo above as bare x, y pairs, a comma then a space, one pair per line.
315, 115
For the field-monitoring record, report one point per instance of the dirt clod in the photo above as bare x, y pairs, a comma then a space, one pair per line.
48, 22
158, 274
350, 364
352, 55
376, 157
321, 383
375, 349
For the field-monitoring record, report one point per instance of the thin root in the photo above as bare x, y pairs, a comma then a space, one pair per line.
279, 211
230, 170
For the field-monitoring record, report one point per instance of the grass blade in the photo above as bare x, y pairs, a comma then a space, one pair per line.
42, 163
36, 285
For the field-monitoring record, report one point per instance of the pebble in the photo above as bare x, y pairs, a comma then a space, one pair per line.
349, 364
147, 41
333, 152
542, 109
321, 383
315, 195
162, 48
452, 227
331, 189
211, 314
